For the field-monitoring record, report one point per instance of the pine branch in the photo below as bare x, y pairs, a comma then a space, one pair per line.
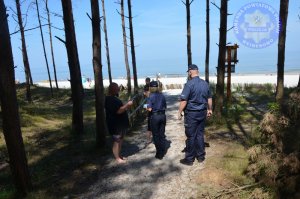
60, 39
56, 15
230, 28
228, 191
121, 14
56, 27
215, 5
89, 16
28, 29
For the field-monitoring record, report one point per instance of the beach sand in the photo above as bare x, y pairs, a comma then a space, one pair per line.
290, 80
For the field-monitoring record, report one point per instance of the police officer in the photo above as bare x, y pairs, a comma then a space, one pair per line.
196, 102
157, 106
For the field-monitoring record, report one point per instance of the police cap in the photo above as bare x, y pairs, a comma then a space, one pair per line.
192, 67
153, 84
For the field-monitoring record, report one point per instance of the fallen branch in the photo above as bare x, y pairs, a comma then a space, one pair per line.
228, 191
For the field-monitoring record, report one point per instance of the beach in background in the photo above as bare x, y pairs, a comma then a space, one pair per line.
177, 81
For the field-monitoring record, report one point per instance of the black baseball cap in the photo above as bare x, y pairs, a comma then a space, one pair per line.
192, 67
153, 84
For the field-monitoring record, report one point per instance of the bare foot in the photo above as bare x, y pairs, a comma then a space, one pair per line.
121, 161
123, 158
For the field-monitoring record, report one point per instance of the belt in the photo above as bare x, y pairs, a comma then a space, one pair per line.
194, 110
158, 113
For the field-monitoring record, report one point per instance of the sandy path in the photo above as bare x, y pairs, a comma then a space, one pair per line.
144, 176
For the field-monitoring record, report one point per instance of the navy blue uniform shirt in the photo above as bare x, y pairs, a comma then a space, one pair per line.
157, 102
196, 93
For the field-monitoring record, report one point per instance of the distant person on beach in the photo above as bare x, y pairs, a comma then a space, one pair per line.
157, 106
196, 102
146, 94
116, 119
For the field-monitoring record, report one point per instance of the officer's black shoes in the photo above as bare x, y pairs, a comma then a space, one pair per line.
159, 156
200, 160
206, 144
186, 162
183, 150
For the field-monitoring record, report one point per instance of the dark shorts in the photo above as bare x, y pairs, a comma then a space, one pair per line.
119, 135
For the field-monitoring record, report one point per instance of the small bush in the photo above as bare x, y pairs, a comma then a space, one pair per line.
276, 163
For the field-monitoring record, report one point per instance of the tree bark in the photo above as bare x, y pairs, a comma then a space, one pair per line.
284, 7
219, 100
10, 112
106, 43
43, 43
299, 82
136, 86
207, 43
74, 67
51, 43
28, 76
97, 65
188, 30
125, 49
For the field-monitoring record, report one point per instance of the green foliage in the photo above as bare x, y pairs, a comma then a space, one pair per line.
274, 107
7, 193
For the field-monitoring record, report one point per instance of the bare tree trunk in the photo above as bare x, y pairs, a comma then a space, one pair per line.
125, 48
284, 7
10, 111
51, 43
97, 65
74, 67
136, 86
207, 43
219, 100
106, 43
30, 77
299, 82
188, 30
44, 49
24, 53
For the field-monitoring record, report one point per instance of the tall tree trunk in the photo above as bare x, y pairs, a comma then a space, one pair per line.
219, 100
10, 112
43, 42
125, 48
284, 7
74, 67
51, 43
299, 82
136, 86
24, 53
97, 65
207, 43
188, 30
106, 43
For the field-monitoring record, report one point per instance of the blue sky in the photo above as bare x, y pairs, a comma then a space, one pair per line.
160, 36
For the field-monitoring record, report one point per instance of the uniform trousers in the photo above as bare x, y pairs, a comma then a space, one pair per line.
158, 124
194, 130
